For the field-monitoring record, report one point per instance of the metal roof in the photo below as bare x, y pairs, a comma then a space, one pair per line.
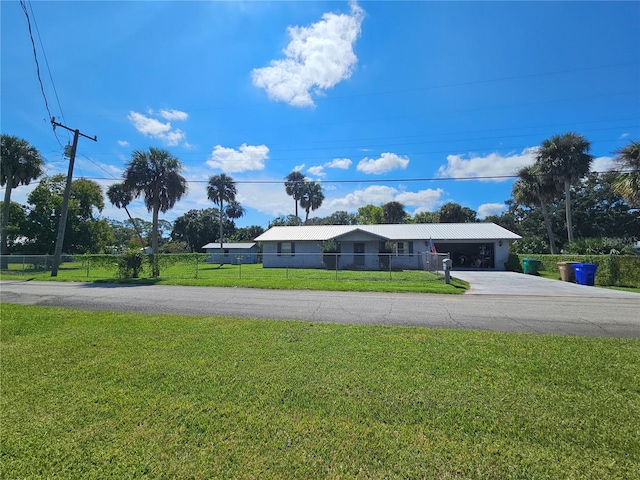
230, 245
410, 231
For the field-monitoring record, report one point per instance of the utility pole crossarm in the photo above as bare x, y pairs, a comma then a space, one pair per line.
67, 193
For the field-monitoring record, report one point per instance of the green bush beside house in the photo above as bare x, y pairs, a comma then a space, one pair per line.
613, 270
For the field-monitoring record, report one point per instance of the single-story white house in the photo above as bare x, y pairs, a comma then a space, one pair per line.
371, 247
234, 253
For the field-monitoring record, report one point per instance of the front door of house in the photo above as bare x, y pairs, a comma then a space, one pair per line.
358, 254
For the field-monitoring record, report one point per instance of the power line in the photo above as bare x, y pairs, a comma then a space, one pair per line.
46, 61
35, 56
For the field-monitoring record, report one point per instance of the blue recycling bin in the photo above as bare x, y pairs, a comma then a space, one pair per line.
585, 273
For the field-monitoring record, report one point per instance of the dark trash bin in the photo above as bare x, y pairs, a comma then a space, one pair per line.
531, 265
567, 273
585, 273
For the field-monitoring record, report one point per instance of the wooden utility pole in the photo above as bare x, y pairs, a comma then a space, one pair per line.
62, 225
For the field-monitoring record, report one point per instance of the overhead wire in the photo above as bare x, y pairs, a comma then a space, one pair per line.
35, 56
46, 61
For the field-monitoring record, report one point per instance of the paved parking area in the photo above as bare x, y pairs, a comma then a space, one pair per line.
512, 283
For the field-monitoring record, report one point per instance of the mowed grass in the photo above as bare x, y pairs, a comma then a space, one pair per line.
255, 276
115, 395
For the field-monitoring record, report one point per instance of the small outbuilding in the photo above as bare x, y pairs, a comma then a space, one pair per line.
372, 247
233, 253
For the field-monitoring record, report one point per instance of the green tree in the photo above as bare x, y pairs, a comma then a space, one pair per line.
393, 212
341, 217
312, 197
425, 217
533, 188
370, 215
288, 221
121, 197
247, 234
566, 159
627, 183
221, 189
84, 232
455, 213
155, 174
17, 219
196, 228
294, 186
20, 163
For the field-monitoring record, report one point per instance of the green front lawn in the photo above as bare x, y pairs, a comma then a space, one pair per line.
97, 395
255, 276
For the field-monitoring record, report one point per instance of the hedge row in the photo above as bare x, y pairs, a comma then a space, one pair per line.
613, 270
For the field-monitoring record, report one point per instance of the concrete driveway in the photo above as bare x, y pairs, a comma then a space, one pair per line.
512, 283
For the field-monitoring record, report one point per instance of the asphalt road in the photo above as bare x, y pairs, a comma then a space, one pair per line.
586, 315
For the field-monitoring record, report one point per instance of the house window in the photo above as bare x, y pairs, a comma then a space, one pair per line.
286, 249
404, 248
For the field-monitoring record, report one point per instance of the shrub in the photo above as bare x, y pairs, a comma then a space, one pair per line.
600, 246
513, 263
130, 264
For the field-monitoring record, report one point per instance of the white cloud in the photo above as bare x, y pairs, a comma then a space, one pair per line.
174, 115
603, 164
624, 135
318, 57
123, 143
247, 157
493, 165
318, 171
152, 127
487, 209
386, 163
298, 168
341, 163
423, 200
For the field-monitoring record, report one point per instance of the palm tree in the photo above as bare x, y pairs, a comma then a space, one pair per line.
155, 175
312, 197
20, 163
120, 197
532, 189
294, 186
627, 184
566, 159
221, 189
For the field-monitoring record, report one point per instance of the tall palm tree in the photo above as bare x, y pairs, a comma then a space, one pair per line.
627, 184
532, 189
221, 189
294, 186
120, 197
155, 175
20, 163
312, 197
566, 159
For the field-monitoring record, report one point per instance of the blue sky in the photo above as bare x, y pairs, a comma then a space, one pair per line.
379, 101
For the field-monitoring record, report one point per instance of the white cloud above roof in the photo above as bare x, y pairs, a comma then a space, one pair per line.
492, 165
487, 209
384, 164
317, 58
246, 157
